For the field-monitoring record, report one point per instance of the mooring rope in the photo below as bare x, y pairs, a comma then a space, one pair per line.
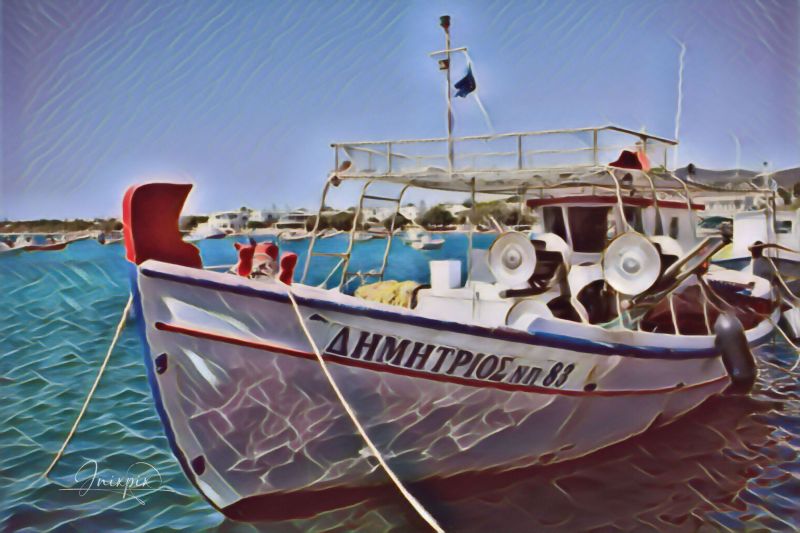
620, 204
786, 288
418, 507
793, 345
781, 281
117, 333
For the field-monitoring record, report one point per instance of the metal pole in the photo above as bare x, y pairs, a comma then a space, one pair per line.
444, 21
473, 221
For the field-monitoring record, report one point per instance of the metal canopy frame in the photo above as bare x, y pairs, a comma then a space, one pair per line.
496, 161
521, 176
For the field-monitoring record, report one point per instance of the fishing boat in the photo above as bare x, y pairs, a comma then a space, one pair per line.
293, 235
50, 244
8, 248
275, 390
205, 233
378, 233
361, 236
47, 247
420, 239
411, 234
775, 234
426, 242
111, 237
328, 233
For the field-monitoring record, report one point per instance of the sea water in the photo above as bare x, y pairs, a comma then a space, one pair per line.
730, 464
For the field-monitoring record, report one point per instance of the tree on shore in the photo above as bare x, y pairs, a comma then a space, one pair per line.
257, 224
191, 222
340, 221
48, 225
436, 216
399, 222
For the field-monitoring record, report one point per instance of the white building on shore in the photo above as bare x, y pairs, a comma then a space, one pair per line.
229, 221
297, 219
382, 213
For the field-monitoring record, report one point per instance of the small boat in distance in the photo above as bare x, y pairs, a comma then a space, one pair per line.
111, 237
293, 235
412, 234
7, 247
51, 243
378, 233
204, 233
328, 233
420, 239
426, 242
361, 236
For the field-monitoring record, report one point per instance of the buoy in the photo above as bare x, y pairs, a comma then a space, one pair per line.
735, 351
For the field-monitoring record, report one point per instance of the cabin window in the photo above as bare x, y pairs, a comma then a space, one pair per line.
588, 227
783, 226
674, 228
634, 217
554, 221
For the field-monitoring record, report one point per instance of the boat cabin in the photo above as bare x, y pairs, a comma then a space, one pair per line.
587, 222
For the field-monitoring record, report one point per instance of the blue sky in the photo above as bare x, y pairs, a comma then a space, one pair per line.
244, 97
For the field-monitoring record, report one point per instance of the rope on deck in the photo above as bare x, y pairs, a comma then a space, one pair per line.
418, 507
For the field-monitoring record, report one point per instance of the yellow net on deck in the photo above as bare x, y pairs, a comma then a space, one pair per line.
388, 292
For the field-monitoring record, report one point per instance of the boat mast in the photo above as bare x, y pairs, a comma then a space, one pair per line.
444, 22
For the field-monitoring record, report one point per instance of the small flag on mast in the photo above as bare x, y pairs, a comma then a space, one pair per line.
466, 85
641, 155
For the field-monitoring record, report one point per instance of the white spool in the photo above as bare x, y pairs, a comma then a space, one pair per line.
631, 264
512, 259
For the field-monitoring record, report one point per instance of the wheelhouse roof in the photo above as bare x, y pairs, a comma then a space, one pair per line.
508, 163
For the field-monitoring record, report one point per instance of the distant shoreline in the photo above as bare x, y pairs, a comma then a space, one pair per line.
45, 226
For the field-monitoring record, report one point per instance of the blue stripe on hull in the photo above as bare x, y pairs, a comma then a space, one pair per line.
550, 340
141, 327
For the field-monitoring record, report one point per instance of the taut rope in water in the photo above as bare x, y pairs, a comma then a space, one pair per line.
418, 507
117, 333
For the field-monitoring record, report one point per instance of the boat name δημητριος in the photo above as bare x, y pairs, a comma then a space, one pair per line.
448, 361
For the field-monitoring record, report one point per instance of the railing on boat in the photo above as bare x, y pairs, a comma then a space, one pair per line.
504, 163
489, 154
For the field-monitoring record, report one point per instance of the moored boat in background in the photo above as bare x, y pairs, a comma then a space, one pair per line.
426, 242
293, 235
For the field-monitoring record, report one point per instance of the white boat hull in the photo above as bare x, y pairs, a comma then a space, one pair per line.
251, 416
428, 245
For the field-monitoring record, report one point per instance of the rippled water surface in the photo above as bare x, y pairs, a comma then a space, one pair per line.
732, 464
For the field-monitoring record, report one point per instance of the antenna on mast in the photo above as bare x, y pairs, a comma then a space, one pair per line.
444, 64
